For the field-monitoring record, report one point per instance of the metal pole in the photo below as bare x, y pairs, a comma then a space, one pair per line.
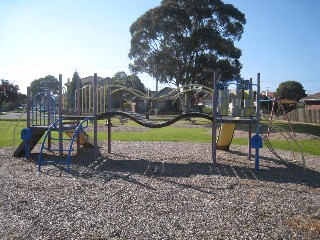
78, 96
250, 130
271, 115
28, 107
78, 106
109, 118
60, 115
286, 115
95, 122
249, 141
28, 122
214, 116
258, 121
48, 107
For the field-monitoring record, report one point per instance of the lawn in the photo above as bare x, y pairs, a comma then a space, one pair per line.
10, 134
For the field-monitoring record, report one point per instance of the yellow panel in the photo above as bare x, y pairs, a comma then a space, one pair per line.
225, 134
85, 139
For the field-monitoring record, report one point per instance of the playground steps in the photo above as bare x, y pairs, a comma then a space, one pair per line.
84, 139
36, 133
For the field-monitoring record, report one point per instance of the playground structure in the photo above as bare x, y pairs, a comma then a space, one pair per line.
280, 102
44, 116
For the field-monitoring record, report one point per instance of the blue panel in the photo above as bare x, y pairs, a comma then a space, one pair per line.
26, 134
256, 141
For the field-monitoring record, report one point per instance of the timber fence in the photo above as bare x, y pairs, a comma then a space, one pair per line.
300, 115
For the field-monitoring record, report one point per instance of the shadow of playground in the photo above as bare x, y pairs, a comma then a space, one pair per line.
121, 165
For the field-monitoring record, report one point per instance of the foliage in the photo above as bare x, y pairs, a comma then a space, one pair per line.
290, 90
207, 110
72, 89
41, 84
8, 92
266, 105
129, 81
185, 41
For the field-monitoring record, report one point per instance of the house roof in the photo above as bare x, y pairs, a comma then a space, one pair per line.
207, 97
166, 91
269, 94
313, 97
89, 80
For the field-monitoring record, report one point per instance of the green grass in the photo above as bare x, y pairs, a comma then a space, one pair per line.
301, 128
10, 130
313, 129
174, 134
307, 146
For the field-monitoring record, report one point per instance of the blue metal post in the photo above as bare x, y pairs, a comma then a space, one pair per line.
109, 118
60, 115
214, 116
95, 109
258, 120
250, 130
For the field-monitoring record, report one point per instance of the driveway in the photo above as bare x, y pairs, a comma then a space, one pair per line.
13, 115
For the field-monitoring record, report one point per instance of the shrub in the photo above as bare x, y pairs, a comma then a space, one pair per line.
207, 110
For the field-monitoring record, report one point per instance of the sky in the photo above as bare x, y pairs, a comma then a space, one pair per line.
281, 40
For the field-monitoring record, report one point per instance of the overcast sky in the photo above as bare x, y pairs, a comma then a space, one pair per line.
44, 37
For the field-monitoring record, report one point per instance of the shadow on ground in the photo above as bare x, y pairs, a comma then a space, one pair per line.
122, 166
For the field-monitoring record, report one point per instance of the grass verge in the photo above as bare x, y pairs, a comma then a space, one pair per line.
10, 130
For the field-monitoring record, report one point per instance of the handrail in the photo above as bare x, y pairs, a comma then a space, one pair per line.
80, 128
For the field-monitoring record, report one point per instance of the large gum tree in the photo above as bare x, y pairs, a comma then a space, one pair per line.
185, 41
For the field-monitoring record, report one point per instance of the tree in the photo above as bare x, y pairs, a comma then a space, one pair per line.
8, 92
185, 41
19, 102
48, 82
72, 89
266, 105
292, 91
129, 81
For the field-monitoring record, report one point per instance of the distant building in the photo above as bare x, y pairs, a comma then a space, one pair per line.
89, 80
269, 94
207, 100
312, 101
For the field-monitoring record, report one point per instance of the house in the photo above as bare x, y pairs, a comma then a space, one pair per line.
89, 80
269, 94
312, 101
207, 100
165, 100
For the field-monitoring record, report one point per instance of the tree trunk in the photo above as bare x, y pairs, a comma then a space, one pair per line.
183, 101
